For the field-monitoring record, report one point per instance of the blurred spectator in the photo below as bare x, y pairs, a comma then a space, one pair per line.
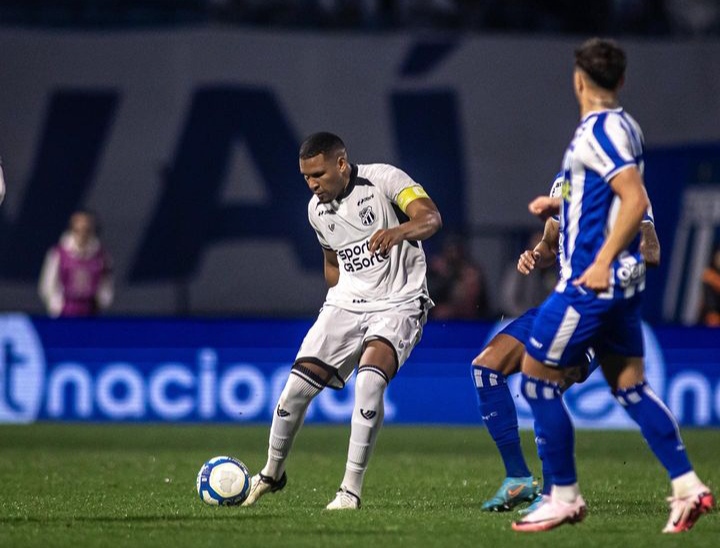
639, 17
456, 283
2, 183
710, 313
520, 293
76, 277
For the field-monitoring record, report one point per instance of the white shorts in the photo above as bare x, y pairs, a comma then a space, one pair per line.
338, 337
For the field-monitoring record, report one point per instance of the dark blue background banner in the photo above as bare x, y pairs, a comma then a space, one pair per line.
233, 371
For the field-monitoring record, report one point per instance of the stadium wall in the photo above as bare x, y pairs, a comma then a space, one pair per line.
232, 371
185, 143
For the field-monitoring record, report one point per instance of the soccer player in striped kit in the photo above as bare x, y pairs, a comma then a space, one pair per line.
597, 300
502, 356
369, 220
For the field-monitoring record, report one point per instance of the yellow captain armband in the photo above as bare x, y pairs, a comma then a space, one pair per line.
410, 194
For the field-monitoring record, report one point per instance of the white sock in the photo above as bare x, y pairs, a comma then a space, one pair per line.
566, 493
287, 420
367, 419
683, 485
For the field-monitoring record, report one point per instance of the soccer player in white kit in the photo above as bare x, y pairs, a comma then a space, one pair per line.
597, 301
369, 220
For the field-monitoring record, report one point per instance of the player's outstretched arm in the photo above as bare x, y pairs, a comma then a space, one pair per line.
424, 221
545, 207
649, 244
331, 267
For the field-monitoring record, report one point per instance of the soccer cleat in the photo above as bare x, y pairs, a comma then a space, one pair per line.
512, 492
262, 485
685, 511
534, 505
344, 500
553, 513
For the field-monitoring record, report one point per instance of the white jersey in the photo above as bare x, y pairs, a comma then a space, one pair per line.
374, 199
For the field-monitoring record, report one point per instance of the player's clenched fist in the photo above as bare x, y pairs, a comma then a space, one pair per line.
527, 261
384, 239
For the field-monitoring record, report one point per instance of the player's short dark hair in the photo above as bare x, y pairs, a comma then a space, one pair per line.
603, 61
322, 142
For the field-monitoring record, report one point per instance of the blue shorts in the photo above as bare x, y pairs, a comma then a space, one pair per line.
568, 323
521, 326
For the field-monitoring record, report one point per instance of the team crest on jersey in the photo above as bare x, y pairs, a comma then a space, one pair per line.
367, 216
331, 227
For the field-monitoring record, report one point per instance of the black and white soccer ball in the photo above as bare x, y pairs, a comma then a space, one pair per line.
223, 481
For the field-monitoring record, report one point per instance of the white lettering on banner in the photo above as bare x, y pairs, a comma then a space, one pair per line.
207, 406
130, 402
68, 375
337, 405
234, 378
179, 406
696, 386
22, 369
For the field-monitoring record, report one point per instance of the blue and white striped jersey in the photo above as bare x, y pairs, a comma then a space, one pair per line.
605, 143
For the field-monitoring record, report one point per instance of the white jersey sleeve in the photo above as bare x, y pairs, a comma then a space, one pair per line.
313, 218
609, 146
395, 184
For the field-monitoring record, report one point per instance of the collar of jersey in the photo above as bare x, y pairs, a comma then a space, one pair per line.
599, 112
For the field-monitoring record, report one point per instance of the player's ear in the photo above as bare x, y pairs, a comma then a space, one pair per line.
579, 82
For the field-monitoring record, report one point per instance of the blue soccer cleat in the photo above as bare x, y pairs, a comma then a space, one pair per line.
512, 492
534, 505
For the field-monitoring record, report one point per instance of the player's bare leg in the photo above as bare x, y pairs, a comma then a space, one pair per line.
377, 367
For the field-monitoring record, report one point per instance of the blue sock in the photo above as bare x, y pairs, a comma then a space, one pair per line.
500, 417
555, 427
658, 427
546, 475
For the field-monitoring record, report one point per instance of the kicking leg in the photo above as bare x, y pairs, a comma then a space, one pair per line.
500, 358
304, 383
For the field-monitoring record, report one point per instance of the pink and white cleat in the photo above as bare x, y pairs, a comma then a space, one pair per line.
552, 513
685, 511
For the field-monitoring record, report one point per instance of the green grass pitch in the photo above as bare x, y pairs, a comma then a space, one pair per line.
80, 485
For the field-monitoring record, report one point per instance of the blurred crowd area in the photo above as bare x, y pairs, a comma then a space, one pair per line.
618, 17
